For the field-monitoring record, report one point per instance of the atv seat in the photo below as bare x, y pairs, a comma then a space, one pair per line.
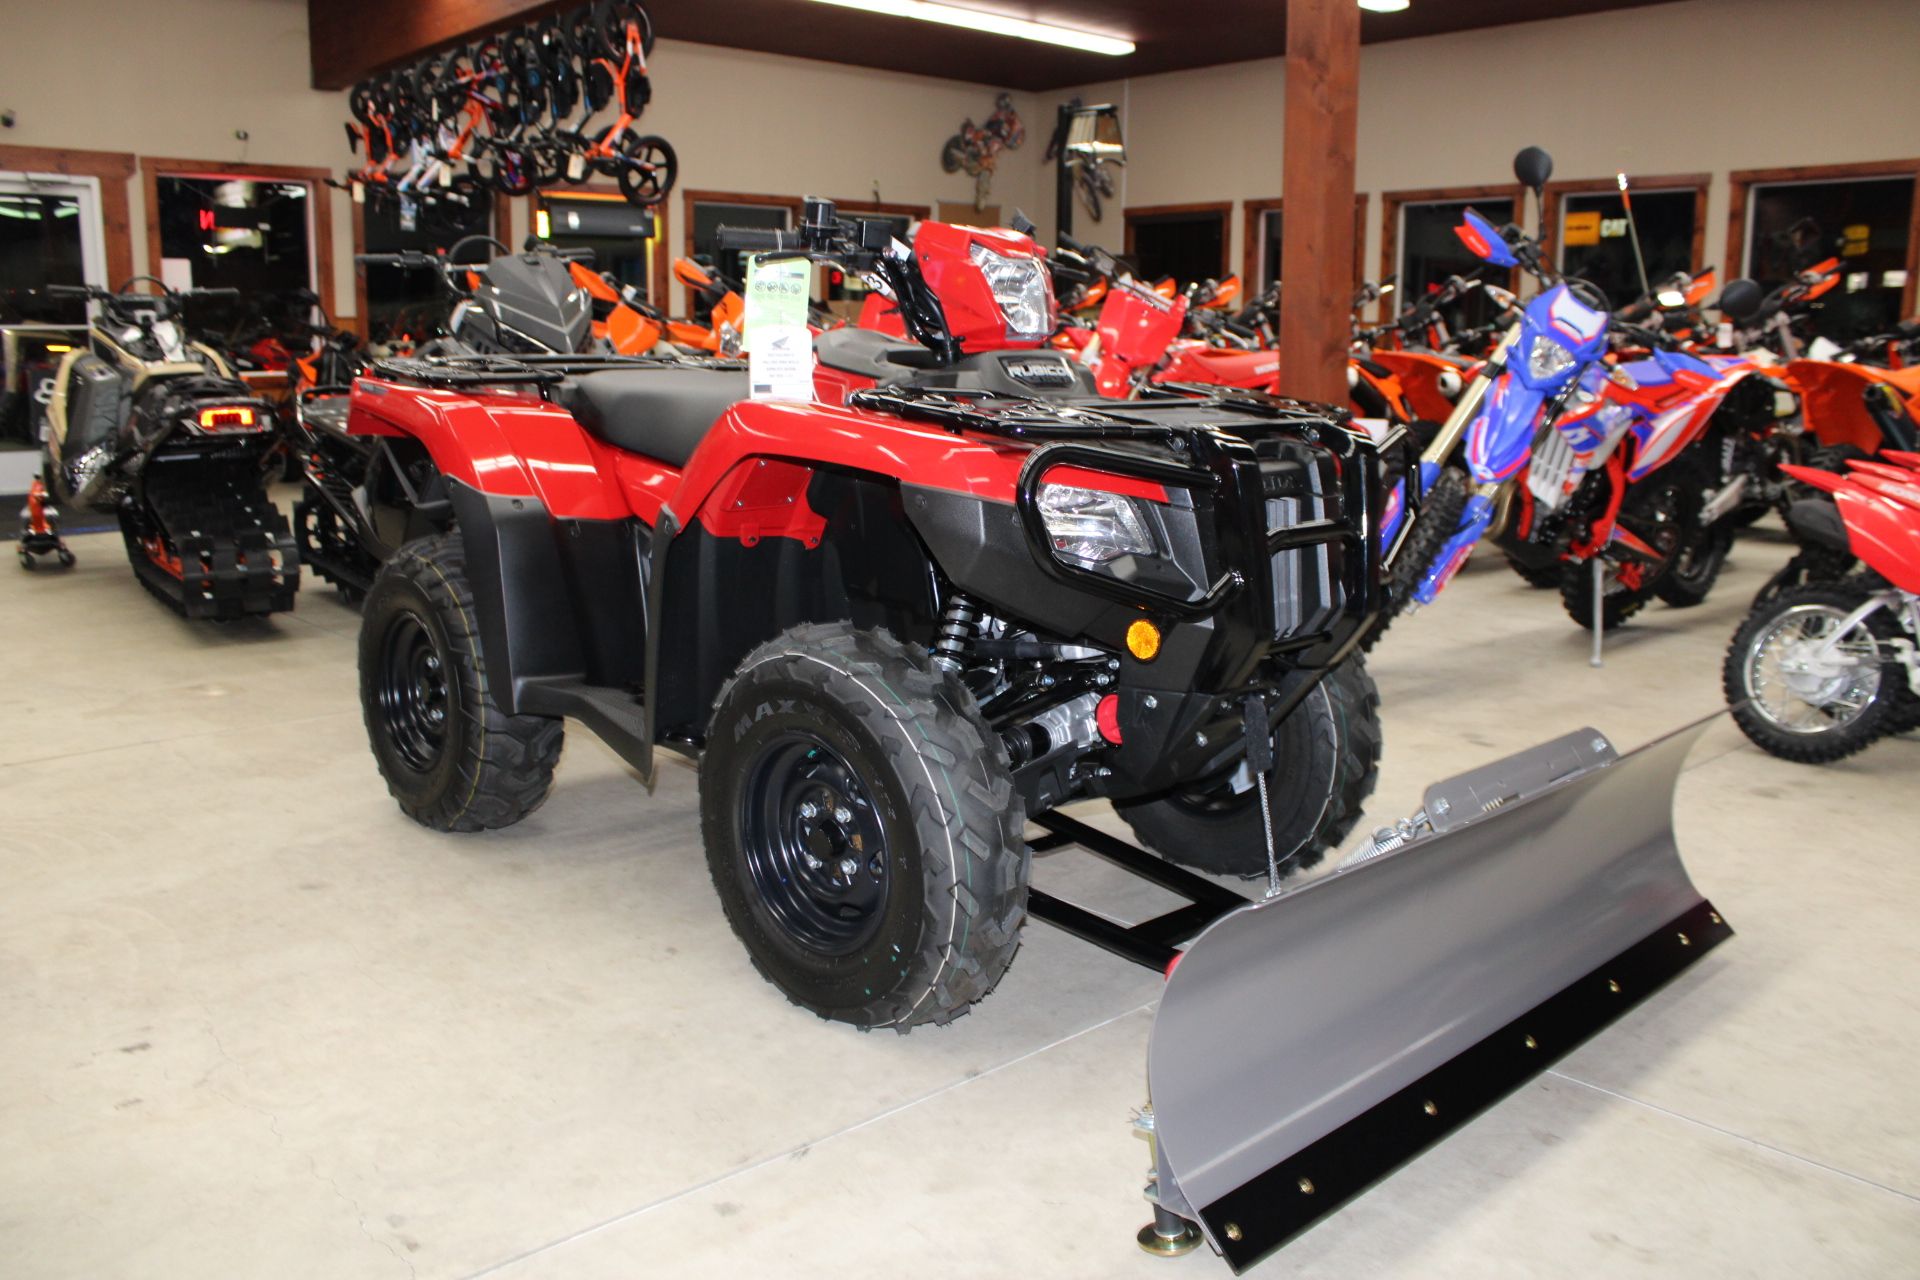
661, 413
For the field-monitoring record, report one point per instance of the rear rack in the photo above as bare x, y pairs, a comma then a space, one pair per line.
540, 371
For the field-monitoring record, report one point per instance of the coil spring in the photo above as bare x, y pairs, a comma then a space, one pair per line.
958, 627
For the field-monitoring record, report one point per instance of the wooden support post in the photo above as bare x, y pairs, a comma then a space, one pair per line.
1316, 252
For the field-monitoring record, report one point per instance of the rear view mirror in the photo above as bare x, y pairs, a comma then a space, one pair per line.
1740, 300
1533, 166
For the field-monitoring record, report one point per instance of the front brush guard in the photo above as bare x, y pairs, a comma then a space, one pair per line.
1309, 1045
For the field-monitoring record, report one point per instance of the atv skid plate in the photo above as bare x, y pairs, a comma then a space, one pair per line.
227, 552
1309, 1044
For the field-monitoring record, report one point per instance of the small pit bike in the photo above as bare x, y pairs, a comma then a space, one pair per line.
157, 431
1824, 669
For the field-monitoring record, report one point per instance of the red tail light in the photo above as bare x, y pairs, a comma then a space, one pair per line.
233, 417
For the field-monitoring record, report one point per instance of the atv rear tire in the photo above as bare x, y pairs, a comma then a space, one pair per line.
1890, 705
451, 757
1436, 521
861, 828
1328, 758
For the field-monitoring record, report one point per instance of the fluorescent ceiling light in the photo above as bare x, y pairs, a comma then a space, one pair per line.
993, 24
1384, 6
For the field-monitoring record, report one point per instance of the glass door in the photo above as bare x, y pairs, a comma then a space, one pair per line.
51, 232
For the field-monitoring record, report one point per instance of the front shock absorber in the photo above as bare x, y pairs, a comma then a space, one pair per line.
958, 628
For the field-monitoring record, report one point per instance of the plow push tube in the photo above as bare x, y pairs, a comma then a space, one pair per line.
1309, 1045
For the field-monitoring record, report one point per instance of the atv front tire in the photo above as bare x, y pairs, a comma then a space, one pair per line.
451, 757
1327, 755
861, 828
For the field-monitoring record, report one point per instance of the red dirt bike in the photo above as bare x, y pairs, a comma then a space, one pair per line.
1822, 670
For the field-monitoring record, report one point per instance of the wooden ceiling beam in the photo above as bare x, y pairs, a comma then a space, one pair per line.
347, 39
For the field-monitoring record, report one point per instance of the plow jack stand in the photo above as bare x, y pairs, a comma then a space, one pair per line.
1307, 1046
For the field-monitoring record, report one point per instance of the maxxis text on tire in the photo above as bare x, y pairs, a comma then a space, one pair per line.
1327, 758
471, 767
929, 805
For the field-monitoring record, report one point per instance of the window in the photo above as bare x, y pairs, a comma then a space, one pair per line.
1264, 222
708, 211
1421, 249
1590, 229
1788, 220
234, 231
1185, 241
621, 235
43, 233
398, 301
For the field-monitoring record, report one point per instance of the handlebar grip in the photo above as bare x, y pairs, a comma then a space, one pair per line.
69, 290
221, 292
1068, 242
758, 239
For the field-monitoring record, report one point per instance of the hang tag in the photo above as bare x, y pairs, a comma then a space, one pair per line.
779, 347
359, 193
576, 167
1723, 338
446, 175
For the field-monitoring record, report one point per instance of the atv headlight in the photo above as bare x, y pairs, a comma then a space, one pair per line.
1020, 288
1547, 359
1088, 527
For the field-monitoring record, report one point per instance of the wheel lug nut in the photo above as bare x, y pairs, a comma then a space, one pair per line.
843, 815
809, 811
849, 868
813, 863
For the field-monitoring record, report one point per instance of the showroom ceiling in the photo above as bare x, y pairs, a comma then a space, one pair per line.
351, 37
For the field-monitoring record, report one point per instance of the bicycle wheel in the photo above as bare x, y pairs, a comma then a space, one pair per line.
610, 19
515, 171
648, 170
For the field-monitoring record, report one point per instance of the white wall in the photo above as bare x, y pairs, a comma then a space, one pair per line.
176, 79
1704, 85
1696, 87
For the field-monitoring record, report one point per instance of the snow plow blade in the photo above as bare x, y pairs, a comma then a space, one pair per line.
1308, 1045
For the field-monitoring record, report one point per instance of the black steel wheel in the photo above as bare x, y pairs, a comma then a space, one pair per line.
450, 756
814, 843
411, 690
861, 829
1327, 756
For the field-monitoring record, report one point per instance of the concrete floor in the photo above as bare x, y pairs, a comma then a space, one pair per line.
255, 1023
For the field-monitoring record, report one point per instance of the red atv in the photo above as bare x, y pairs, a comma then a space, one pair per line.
890, 630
